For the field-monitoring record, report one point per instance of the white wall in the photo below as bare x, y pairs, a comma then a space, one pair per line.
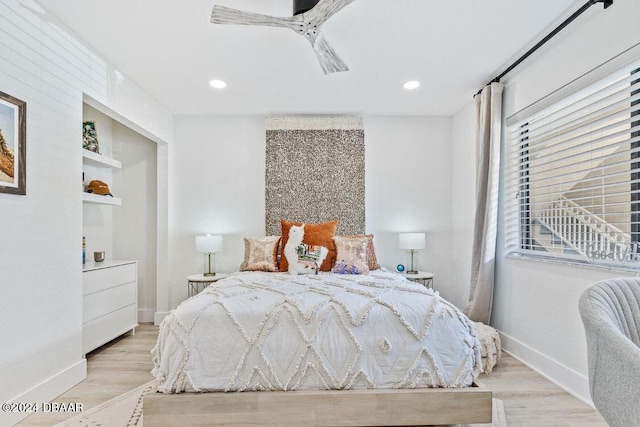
217, 179
135, 221
408, 188
218, 183
40, 254
536, 304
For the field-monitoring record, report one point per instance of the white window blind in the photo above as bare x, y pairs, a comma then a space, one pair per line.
573, 176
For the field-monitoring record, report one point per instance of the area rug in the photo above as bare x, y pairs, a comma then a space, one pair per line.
121, 411
126, 410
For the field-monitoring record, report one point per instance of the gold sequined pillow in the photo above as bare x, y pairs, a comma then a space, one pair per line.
372, 260
261, 254
351, 255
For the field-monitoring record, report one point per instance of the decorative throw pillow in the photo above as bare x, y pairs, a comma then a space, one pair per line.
260, 254
303, 258
372, 260
316, 235
351, 255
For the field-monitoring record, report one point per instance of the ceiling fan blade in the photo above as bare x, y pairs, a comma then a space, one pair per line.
324, 10
328, 58
226, 15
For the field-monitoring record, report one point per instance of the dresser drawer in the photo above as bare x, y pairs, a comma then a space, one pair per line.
104, 278
107, 301
104, 329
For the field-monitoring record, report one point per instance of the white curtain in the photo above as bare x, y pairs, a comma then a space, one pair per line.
488, 135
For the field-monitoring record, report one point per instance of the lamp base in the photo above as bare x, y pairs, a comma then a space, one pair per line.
208, 269
411, 270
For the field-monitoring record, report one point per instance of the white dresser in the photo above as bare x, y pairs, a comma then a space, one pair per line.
109, 301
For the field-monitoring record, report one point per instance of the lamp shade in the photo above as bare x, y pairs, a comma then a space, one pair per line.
412, 240
208, 244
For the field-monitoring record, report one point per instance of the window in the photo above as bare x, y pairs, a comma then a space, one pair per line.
573, 175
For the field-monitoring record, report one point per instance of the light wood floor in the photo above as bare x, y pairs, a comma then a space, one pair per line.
531, 400
112, 369
124, 364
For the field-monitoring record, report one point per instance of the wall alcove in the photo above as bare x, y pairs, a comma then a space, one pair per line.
123, 226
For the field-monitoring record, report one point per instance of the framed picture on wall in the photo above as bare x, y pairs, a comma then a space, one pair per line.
13, 145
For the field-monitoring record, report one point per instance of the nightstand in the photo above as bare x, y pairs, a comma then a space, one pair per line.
423, 277
197, 282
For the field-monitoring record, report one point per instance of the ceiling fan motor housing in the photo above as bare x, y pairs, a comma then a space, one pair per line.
302, 6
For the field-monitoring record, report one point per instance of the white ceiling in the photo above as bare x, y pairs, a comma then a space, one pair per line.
171, 50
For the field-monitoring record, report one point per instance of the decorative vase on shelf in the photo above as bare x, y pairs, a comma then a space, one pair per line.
90, 137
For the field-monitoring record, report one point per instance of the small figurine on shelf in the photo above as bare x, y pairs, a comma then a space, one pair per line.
90, 137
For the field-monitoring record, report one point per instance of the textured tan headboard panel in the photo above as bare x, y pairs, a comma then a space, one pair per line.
315, 172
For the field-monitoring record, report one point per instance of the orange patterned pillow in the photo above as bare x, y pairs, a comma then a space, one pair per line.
314, 234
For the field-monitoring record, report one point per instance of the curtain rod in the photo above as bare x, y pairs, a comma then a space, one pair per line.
549, 36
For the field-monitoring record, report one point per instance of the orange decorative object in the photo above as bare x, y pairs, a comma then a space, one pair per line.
98, 187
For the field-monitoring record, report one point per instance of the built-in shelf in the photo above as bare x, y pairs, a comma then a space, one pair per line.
98, 160
105, 200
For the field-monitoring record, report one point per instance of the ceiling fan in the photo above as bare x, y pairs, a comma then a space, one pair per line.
308, 17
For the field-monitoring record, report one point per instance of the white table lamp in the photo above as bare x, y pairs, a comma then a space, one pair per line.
208, 245
412, 242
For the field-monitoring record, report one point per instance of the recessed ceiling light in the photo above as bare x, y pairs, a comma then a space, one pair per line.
218, 84
413, 84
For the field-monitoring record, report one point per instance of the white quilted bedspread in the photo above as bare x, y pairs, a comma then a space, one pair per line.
274, 331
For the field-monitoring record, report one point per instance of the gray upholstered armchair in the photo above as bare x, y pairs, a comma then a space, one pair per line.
610, 312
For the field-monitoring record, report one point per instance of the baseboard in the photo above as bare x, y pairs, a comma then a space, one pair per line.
46, 391
564, 377
159, 317
146, 315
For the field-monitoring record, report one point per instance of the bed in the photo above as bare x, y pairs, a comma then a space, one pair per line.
325, 349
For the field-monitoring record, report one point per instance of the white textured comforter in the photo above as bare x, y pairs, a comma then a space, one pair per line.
274, 331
